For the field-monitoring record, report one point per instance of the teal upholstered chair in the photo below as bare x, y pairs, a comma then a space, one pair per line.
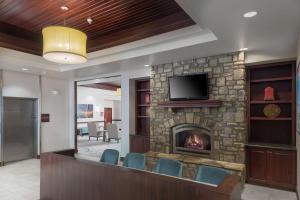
211, 175
135, 161
83, 131
110, 156
169, 167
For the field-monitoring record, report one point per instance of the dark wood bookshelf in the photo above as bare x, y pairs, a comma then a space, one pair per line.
140, 142
272, 79
270, 150
269, 102
143, 90
271, 119
143, 116
143, 105
271, 146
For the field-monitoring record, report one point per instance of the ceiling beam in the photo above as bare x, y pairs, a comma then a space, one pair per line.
19, 44
102, 86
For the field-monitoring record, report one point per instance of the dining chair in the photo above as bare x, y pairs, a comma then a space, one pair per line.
93, 130
211, 175
169, 167
112, 132
110, 156
135, 161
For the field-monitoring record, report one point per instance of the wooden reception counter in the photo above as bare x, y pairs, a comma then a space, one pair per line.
64, 177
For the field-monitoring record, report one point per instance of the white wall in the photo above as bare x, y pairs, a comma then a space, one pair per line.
117, 110
56, 98
20, 85
298, 136
100, 99
128, 105
58, 134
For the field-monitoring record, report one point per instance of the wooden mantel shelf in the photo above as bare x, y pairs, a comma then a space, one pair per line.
190, 104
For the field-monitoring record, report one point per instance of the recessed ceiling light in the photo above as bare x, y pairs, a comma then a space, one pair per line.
64, 8
250, 14
146, 65
243, 49
25, 69
44, 73
89, 20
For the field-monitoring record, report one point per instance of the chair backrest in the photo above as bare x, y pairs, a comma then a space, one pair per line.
112, 130
211, 175
169, 167
110, 156
135, 161
84, 129
92, 127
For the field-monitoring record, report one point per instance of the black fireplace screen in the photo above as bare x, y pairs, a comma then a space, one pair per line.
189, 138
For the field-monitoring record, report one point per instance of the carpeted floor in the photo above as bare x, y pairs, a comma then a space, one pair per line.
94, 148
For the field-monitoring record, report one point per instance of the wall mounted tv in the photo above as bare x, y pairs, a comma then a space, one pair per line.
190, 87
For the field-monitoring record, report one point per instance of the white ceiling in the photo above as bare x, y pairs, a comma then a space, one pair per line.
271, 35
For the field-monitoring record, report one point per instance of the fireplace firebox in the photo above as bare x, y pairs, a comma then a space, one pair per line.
191, 139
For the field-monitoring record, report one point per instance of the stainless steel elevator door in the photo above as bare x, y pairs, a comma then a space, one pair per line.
18, 128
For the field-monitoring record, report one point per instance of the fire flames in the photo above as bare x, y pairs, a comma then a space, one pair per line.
195, 141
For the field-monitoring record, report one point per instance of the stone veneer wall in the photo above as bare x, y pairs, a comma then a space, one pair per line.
227, 123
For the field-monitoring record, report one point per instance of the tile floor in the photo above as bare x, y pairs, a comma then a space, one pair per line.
20, 181
253, 192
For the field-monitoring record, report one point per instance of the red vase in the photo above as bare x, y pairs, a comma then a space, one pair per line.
269, 94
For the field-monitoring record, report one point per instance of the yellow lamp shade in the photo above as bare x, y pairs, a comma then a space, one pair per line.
64, 45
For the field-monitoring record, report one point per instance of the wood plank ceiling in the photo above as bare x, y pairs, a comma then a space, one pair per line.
115, 22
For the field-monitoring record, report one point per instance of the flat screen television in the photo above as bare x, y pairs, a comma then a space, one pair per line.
190, 87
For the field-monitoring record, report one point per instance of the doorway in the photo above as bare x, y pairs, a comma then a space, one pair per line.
107, 117
19, 129
98, 104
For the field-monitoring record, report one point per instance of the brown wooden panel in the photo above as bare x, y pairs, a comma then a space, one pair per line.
19, 44
102, 86
271, 167
282, 169
114, 21
64, 178
107, 117
257, 165
136, 143
163, 25
139, 143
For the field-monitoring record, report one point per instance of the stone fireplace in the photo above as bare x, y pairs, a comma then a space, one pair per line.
191, 139
216, 132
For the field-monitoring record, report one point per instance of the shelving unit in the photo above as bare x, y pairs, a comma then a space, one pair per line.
270, 151
271, 119
271, 79
140, 142
268, 102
